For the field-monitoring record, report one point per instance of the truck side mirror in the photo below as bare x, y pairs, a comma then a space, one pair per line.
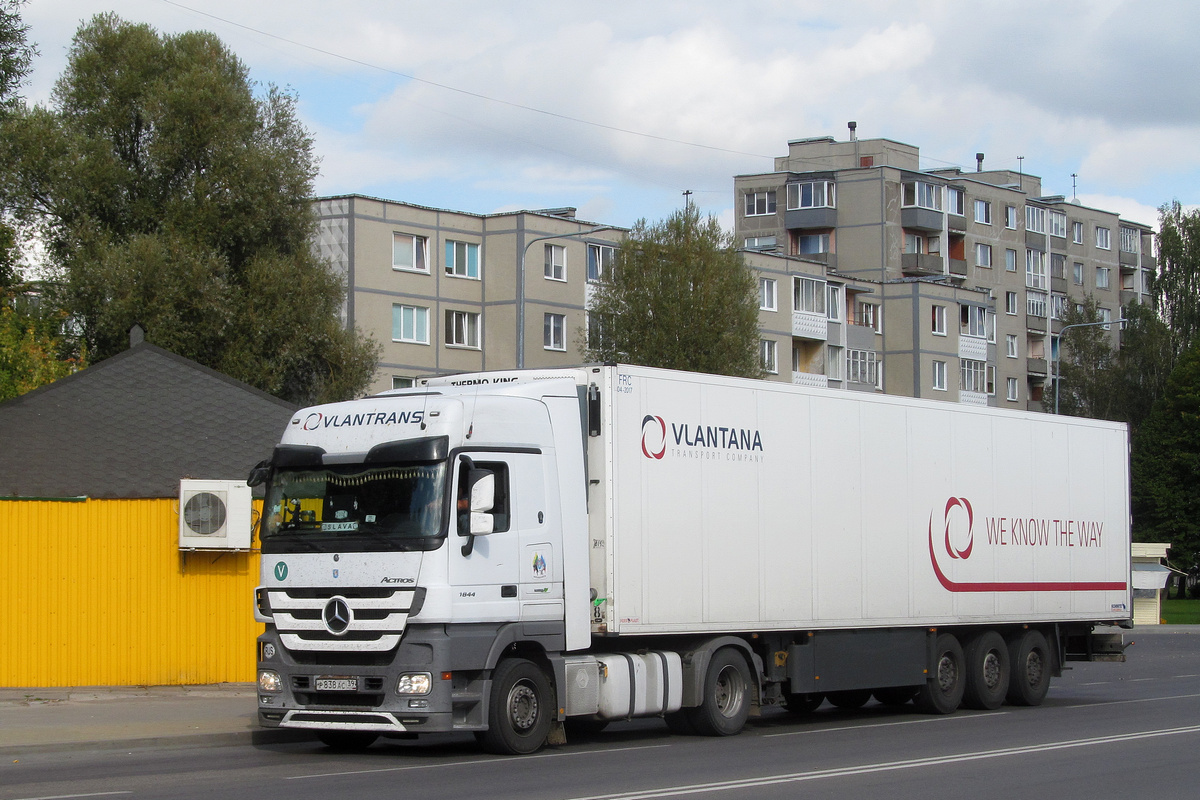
483, 489
258, 475
479, 498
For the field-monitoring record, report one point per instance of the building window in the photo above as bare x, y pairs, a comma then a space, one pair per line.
1010, 302
939, 375
868, 315
767, 294
1130, 240
1035, 219
462, 329
939, 320
760, 203
554, 332
1012, 389
1035, 304
1035, 269
1077, 232
760, 243
1058, 224
833, 363
596, 333
973, 321
1010, 217
861, 366
808, 295
914, 243
956, 201
462, 259
991, 381
769, 352
1077, 274
408, 253
811, 244
1010, 345
983, 212
1101, 277
402, 382
1105, 316
1102, 238
922, 195
973, 375
410, 324
1010, 260
813, 194
600, 259
983, 255
1058, 306
556, 262
833, 304
1058, 266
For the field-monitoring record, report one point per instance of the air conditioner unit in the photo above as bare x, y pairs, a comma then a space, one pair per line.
214, 515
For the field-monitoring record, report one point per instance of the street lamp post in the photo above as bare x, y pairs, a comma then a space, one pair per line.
521, 282
1058, 357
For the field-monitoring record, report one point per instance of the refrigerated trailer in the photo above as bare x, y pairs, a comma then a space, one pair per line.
519, 553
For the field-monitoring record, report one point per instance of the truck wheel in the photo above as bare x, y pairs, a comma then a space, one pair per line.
520, 710
680, 723
802, 703
1030, 659
943, 690
726, 703
986, 656
850, 698
893, 696
347, 741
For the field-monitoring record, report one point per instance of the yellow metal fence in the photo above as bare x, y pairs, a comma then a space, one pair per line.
97, 593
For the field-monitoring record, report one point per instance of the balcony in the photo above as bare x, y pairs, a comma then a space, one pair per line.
1058, 285
1128, 259
973, 348
958, 267
919, 264
972, 398
956, 222
921, 219
807, 325
1035, 324
1128, 296
810, 379
1036, 366
810, 218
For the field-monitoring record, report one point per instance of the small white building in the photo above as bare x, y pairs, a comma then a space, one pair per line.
1150, 575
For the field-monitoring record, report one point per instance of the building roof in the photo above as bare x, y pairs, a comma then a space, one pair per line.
132, 425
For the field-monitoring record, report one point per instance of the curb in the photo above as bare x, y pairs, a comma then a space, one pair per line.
262, 736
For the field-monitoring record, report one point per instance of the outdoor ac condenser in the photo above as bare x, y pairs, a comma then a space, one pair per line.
214, 515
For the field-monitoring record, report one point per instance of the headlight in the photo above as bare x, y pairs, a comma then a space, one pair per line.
269, 681
414, 683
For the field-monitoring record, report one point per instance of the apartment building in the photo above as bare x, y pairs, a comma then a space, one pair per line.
450, 291
973, 271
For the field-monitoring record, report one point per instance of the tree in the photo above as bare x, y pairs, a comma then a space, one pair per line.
16, 54
1165, 465
31, 347
1176, 286
678, 296
1085, 386
1142, 366
169, 194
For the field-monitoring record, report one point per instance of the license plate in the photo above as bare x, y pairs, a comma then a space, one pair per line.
337, 684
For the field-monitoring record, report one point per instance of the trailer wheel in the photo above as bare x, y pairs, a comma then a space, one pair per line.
943, 689
850, 698
520, 710
987, 671
804, 703
893, 696
1030, 659
726, 703
347, 741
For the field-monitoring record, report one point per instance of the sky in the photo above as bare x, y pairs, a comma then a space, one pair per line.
618, 108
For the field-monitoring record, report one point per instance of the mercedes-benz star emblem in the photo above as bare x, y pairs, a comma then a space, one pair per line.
337, 616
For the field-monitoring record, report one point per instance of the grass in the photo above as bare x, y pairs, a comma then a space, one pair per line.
1181, 612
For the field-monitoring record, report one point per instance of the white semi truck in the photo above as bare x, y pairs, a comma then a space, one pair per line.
514, 553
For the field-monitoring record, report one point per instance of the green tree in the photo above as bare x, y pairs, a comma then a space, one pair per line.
1166, 463
1085, 384
1176, 285
16, 54
169, 194
31, 346
678, 296
1142, 365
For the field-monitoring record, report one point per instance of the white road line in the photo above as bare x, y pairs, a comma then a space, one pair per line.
852, 727
1188, 676
66, 796
501, 760
865, 769
1096, 683
1126, 702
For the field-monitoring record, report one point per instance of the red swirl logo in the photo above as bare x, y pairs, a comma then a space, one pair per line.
952, 529
654, 437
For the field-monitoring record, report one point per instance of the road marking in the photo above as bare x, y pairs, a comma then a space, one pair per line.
1096, 683
1125, 702
1141, 680
503, 759
888, 766
66, 796
1194, 675
886, 724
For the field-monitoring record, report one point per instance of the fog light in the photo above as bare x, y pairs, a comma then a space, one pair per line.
418, 704
269, 681
268, 651
414, 683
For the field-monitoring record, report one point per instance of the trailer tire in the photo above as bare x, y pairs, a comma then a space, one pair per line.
725, 706
804, 702
850, 699
1029, 656
347, 741
893, 696
520, 710
988, 671
943, 690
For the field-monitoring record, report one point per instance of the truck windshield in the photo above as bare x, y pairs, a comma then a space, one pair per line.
355, 507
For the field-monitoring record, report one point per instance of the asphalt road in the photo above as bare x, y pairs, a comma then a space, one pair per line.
1105, 731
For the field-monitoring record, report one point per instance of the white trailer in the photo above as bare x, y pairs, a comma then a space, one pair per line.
504, 552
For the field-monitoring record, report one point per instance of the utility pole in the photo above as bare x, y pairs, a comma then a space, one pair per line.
687, 199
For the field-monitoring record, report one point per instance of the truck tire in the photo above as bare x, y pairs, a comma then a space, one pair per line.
680, 723
893, 696
804, 703
347, 741
1029, 656
943, 690
987, 661
850, 698
520, 710
726, 702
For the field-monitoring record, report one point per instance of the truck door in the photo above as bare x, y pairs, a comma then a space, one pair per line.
486, 571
